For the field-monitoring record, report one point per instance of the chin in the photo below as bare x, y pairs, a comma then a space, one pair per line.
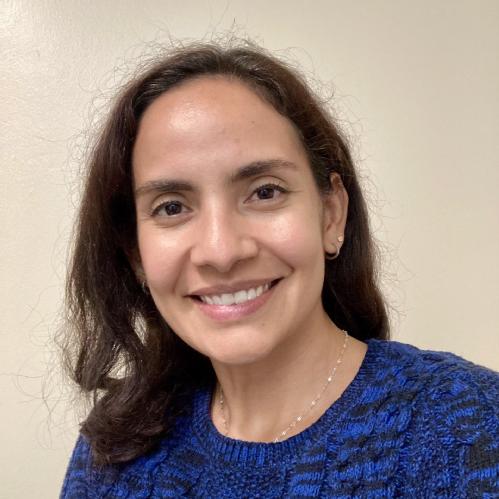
236, 359
239, 354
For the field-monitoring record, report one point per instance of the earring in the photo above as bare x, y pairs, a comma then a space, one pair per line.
336, 254
145, 289
332, 256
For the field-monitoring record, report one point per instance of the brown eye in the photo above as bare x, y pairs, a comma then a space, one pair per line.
265, 192
268, 191
170, 208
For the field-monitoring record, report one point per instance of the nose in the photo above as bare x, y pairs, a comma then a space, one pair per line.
223, 238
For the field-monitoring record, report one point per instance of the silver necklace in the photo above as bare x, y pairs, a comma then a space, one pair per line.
309, 408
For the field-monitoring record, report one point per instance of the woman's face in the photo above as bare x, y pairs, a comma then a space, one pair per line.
231, 227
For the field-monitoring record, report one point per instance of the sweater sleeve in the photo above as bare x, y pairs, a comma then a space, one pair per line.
467, 402
78, 480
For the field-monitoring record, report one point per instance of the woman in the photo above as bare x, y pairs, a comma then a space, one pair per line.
226, 313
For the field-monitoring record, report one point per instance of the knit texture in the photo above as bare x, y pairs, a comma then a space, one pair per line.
412, 423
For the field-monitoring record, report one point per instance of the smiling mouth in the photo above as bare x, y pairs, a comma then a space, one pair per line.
236, 298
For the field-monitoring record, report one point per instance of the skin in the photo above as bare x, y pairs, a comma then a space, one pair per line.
218, 230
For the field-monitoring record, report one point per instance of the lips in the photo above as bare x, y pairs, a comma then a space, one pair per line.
234, 287
235, 298
235, 305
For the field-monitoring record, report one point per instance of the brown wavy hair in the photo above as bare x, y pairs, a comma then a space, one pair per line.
118, 348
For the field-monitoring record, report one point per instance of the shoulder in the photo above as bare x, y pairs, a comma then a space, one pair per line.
85, 479
452, 405
443, 374
174, 459
442, 381
79, 479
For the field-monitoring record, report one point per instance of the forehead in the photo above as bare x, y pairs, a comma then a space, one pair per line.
211, 124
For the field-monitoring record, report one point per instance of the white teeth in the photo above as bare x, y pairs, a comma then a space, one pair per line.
241, 296
227, 299
235, 298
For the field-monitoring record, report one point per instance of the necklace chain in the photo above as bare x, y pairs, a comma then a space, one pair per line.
299, 418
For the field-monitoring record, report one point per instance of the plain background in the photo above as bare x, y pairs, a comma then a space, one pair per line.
415, 86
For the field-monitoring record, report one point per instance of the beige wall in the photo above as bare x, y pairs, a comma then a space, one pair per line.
417, 85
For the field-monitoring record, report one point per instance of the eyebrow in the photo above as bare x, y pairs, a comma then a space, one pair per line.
250, 170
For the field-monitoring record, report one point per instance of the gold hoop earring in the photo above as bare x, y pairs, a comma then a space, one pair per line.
336, 254
333, 256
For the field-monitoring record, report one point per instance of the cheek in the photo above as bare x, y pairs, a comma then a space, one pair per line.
160, 257
297, 239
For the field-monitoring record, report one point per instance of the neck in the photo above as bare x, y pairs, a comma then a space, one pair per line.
261, 400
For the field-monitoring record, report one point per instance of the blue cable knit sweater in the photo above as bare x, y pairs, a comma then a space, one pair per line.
412, 423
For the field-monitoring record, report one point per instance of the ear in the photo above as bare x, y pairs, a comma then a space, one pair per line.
335, 204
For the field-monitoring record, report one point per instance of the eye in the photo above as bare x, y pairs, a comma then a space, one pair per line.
168, 209
268, 191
